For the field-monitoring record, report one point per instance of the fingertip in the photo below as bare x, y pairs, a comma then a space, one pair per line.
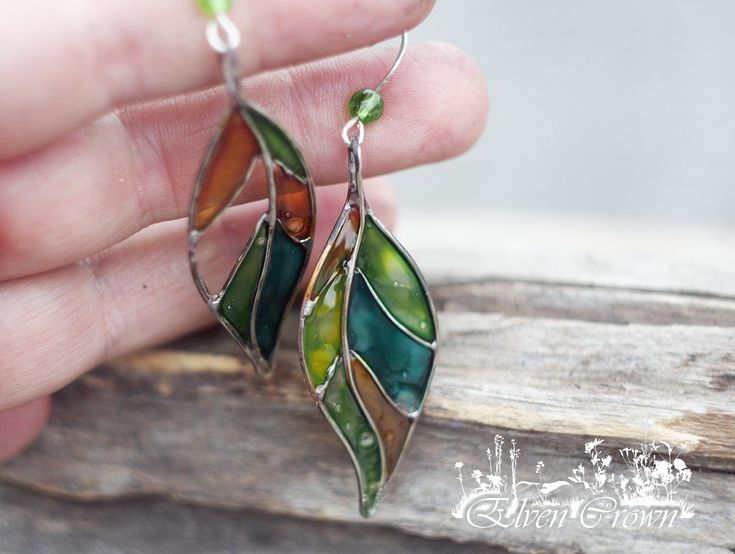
452, 114
382, 197
417, 10
21, 425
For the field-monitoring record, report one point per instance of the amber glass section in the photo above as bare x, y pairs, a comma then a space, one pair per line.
230, 159
392, 426
338, 252
293, 204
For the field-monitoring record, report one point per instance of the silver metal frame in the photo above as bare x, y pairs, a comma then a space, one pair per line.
356, 198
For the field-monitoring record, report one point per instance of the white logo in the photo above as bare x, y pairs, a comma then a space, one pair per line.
643, 493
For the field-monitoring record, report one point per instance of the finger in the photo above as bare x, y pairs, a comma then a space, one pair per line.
98, 187
86, 57
19, 426
136, 294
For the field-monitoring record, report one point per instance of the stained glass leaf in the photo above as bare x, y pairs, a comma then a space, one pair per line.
368, 337
262, 284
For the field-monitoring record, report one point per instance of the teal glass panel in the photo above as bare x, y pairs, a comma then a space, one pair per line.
359, 435
286, 264
401, 364
237, 301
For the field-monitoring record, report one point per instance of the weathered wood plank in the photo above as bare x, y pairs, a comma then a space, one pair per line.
216, 435
496, 370
38, 524
570, 249
210, 444
557, 334
589, 303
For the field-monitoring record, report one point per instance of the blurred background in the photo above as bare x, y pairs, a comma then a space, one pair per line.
624, 108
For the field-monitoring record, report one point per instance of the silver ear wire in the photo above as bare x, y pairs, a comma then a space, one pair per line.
355, 121
394, 67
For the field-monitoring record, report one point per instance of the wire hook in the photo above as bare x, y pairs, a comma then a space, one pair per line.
394, 67
355, 121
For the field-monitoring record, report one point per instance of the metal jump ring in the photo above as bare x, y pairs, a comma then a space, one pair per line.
354, 122
218, 26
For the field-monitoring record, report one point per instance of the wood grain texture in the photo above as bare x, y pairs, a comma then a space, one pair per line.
155, 525
551, 332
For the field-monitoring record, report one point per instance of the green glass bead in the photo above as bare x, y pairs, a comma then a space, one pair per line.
367, 105
213, 8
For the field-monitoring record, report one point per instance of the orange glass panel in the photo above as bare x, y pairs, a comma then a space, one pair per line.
293, 204
392, 426
228, 165
337, 253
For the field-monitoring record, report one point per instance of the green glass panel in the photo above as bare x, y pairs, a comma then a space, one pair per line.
401, 364
287, 261
237, 302
359, 435
395, 282
280, 146
322, 340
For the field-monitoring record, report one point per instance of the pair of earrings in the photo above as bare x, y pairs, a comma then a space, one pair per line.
367, 326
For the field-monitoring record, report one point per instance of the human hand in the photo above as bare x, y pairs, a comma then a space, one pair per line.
102, 135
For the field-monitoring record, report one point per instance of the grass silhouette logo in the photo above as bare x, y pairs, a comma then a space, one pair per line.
633, 487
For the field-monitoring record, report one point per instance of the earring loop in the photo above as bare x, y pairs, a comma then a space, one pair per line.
359, 125
222, 24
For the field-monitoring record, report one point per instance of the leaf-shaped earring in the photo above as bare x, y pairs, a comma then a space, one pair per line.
367, 328
262, 284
